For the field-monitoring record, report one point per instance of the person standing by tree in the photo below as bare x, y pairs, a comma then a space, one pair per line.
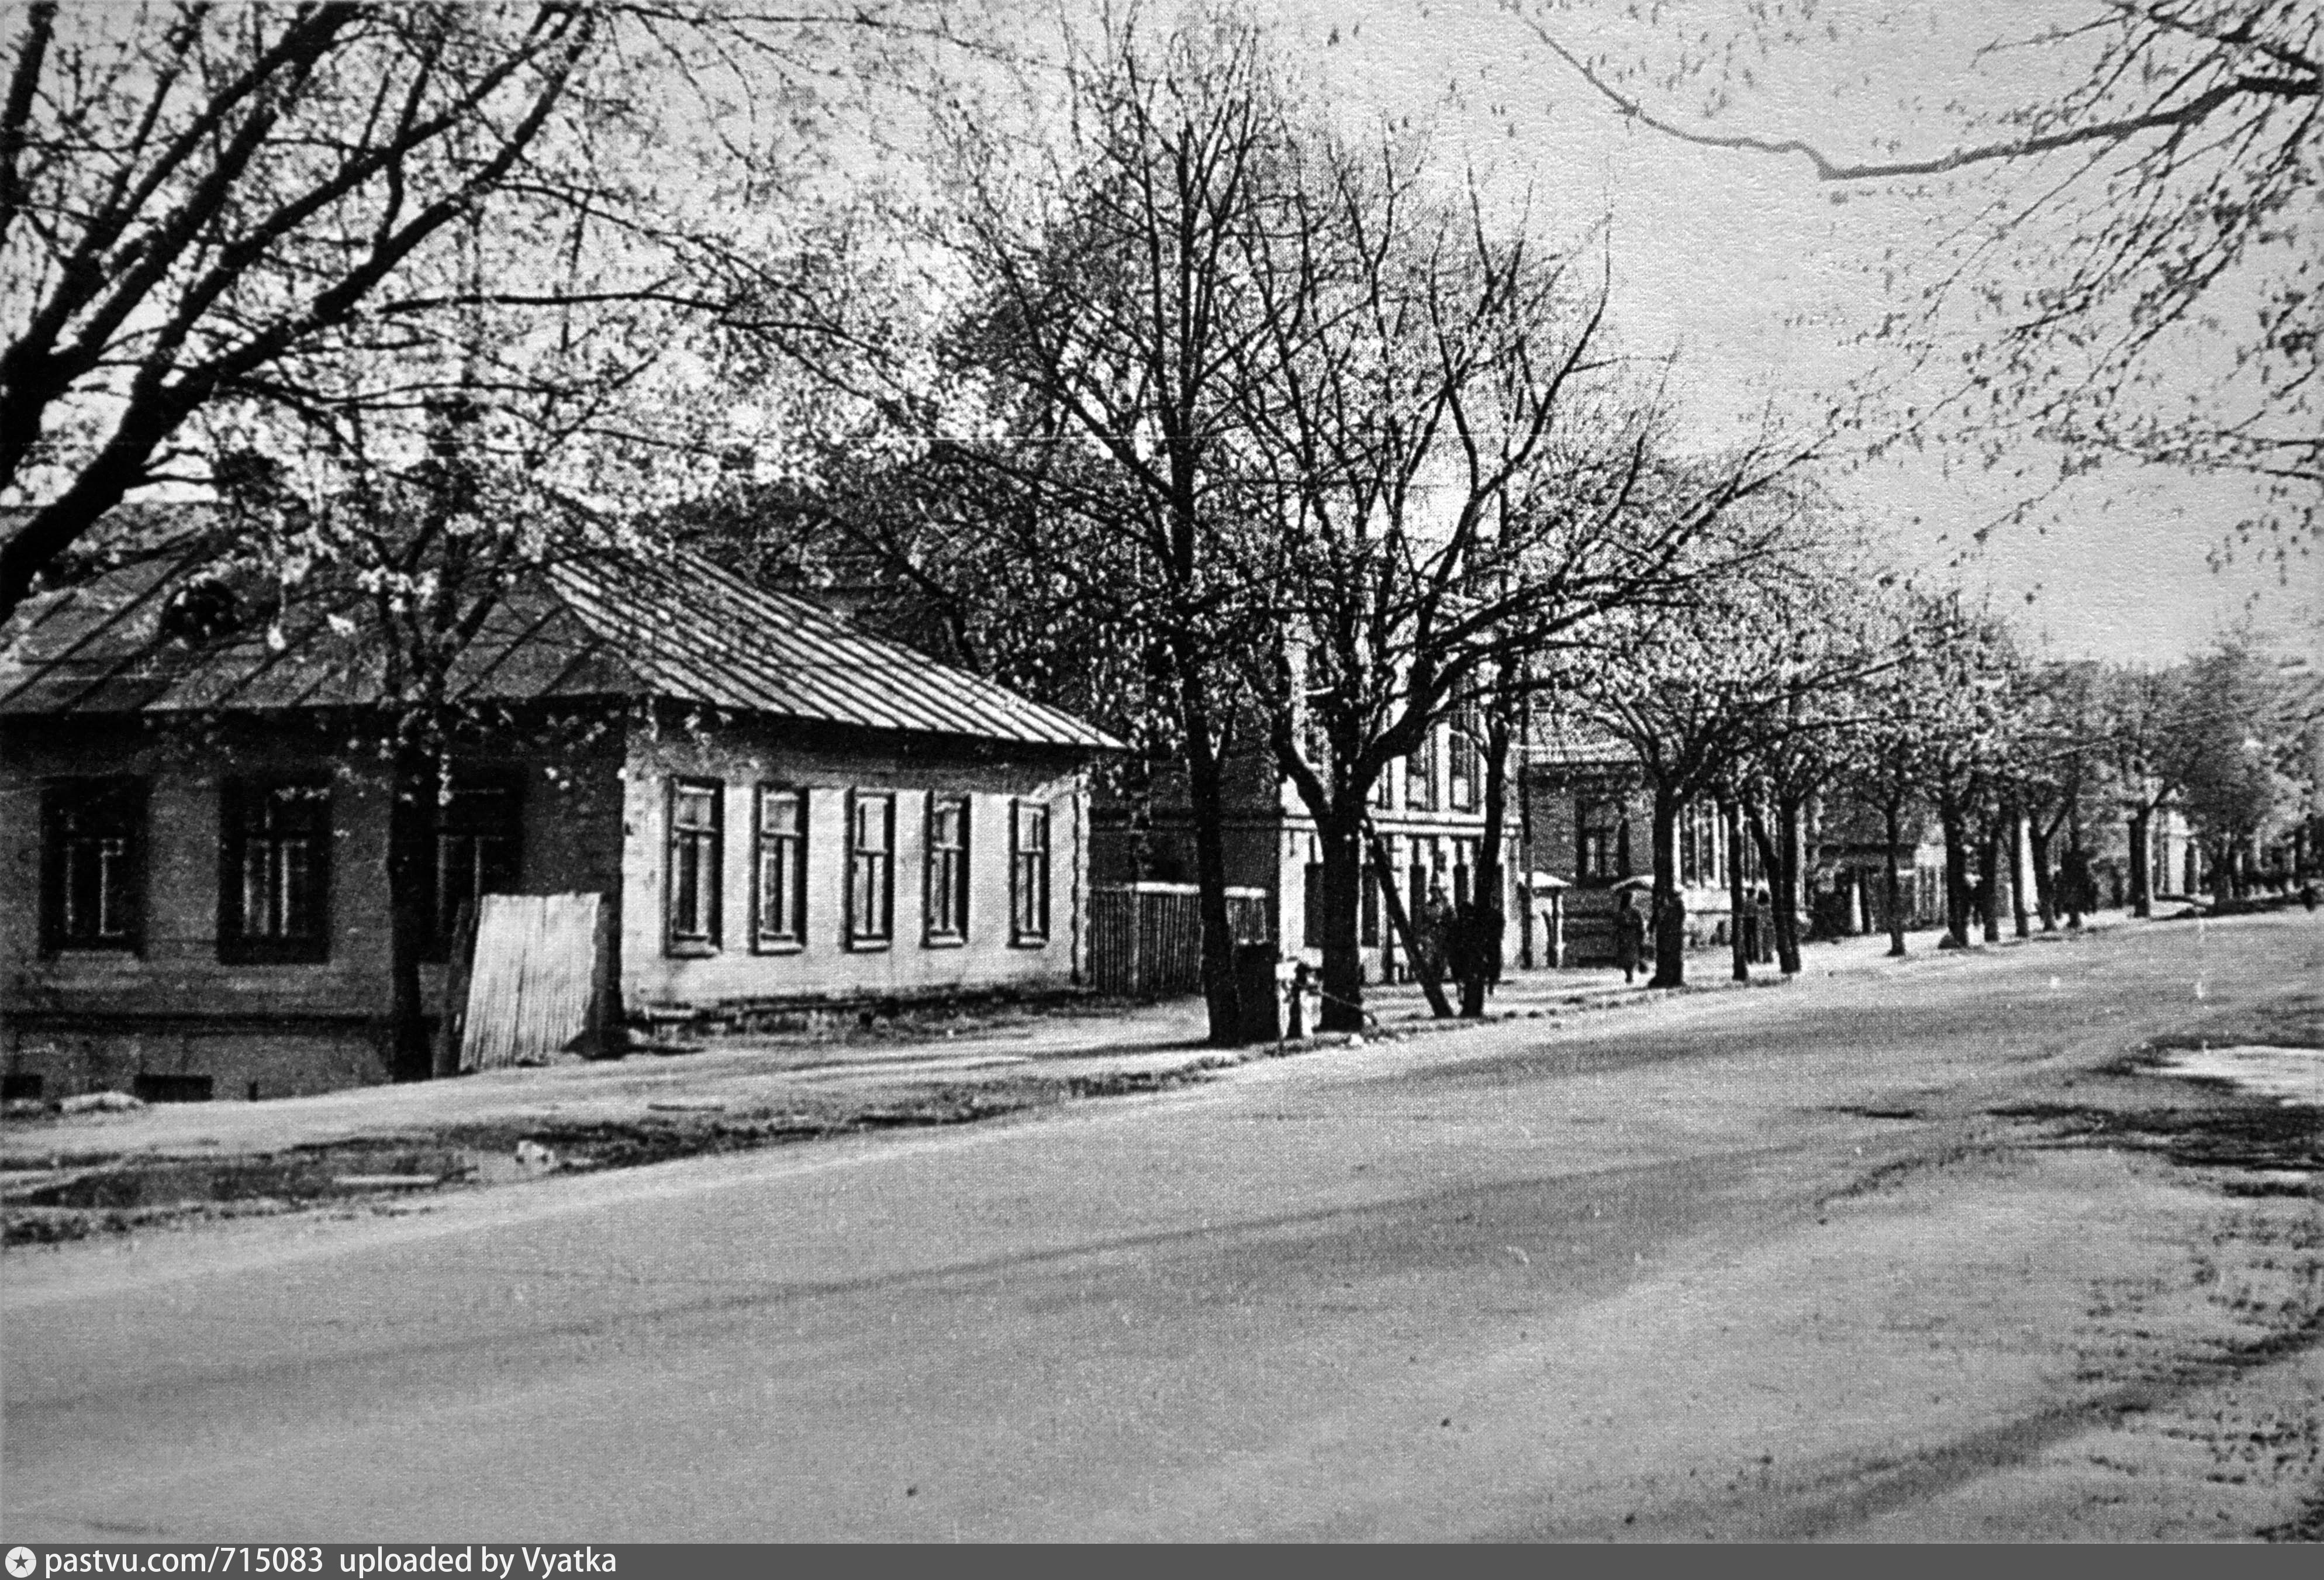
1629, 936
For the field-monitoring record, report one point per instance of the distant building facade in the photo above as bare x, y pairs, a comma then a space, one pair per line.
1428, 809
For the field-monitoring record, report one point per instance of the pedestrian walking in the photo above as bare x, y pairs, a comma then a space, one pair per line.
1629, 936
1435, 931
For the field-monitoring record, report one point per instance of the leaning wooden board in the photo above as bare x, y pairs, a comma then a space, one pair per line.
534, 980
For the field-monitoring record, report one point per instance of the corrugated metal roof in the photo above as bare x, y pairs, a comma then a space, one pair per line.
673, 626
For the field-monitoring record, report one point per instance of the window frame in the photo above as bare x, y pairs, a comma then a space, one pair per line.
793, 938
1464, 787
1601, 847
236, 944
857, 937
1022, 860
1420, 771
710, 938
932, 936
445, 822
59, 800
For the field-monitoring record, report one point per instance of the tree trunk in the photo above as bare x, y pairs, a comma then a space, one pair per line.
1526, 955
2142, 880
1392, 903
1342, 838
1989, 881
2076, 875
1488, 923
1205, 785
1731, 815
1670, 911
409, 864
1772, 850
1789, 811
1892, 809
2045, 886
2015, 831
1957, 885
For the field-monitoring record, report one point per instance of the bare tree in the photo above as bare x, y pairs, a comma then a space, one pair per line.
1465, 480
2059, 772
1960, 718
2145, 745
1118, 298
263, 220
1690, 683
2154, 294
1830, 657
2244, 727
1902, 709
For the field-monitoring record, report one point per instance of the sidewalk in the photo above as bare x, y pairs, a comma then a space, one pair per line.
1068, 1051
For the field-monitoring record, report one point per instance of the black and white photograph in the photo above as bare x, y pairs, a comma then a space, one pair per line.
1152, 771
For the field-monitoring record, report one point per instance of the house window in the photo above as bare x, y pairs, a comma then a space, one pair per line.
1603, 840
947, 873
479, 834
1420, 775
92, 865
1029, 873
871, 869
1465, 788
1384, 788
274, 878
696, 865
780, 899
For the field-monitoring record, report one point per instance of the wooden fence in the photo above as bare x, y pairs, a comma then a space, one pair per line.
1146, 939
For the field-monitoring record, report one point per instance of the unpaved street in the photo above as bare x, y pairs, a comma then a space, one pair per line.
1915, 1254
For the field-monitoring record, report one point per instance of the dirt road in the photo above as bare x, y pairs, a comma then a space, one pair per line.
1926, 1254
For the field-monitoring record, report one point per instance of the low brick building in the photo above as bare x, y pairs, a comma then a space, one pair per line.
779, 810
1589, 824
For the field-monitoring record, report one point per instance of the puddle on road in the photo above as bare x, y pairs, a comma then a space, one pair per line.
2253, 1109
307, 1175
2292, 1075
68, 1201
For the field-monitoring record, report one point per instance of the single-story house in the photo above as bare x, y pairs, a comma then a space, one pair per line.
778, 811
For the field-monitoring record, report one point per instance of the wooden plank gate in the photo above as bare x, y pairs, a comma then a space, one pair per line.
1146, 939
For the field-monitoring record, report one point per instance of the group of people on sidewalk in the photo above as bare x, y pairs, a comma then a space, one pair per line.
1459, 941
1631, 932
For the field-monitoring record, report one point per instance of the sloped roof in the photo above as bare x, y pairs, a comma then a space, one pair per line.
671, 626
1577, 743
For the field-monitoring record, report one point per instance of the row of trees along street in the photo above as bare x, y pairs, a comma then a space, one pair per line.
1132, 374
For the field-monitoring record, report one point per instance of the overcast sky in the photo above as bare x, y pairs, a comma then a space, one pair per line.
1763, 278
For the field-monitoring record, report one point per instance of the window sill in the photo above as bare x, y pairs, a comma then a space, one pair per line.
677, 949
945, 941
1029, 942
869, 945
778, 946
